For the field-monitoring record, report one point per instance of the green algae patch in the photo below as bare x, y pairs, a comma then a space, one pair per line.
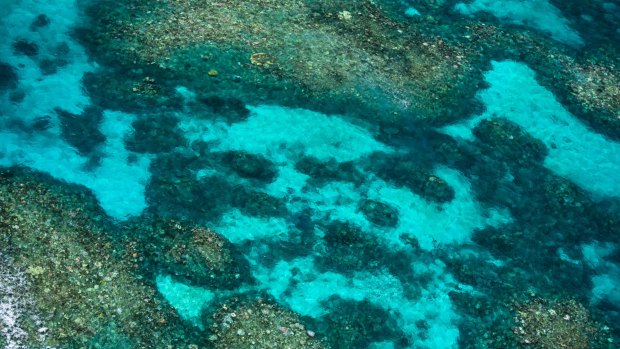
81, 295
189, 253
259, 324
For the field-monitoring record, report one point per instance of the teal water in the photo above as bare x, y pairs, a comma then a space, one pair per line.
414, 233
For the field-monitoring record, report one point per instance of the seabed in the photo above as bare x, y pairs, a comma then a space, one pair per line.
292, 174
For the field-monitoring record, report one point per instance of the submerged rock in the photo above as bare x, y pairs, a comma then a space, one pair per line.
349, 249
323, 172
259, 204
41, 123
175, 190
8, 77
402, 170
51, 66
40, 21
353, 324
251, 166
26, 48
155, 134
82, 131
379, 213
506, 140
233, 109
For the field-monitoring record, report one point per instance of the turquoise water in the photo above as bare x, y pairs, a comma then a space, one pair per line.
414, 233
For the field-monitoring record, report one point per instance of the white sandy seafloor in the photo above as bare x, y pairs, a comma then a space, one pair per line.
540, 15
295, 132
117, 184
382, 289
587, 158
282, 135
607, 279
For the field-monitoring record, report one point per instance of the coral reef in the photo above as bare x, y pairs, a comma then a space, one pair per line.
69, 279
79, 293
508, 141
303, 51
259, 324
370, 63
297, 204
193, 254
558, 324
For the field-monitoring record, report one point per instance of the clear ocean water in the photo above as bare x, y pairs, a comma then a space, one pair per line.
310, 174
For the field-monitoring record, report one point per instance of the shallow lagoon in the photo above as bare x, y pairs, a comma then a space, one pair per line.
309, 174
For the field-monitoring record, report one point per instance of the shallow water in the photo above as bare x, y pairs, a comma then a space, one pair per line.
389, 174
